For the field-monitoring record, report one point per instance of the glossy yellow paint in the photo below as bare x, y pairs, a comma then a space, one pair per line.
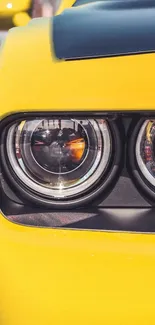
64, 5
75, 277
50, 276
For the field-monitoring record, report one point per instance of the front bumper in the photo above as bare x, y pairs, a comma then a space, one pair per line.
71, 277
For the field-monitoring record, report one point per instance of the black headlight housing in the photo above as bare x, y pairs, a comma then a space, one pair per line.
120, 198
59, 161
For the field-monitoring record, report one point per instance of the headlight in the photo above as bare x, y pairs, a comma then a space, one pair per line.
145, 150
59, 161
141, 155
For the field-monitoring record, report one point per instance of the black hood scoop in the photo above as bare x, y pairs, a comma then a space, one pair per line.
104, 29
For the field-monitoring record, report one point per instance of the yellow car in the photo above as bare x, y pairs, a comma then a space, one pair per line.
19, 11
77, 166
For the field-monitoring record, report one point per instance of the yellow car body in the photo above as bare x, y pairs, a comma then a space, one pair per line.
18, 10
62, 276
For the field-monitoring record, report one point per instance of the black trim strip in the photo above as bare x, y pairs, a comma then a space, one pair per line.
128, 220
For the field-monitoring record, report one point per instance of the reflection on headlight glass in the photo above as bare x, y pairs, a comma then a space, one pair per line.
59, 157
145, 150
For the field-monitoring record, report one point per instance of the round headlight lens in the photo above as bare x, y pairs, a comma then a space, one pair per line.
59, 158
145, 150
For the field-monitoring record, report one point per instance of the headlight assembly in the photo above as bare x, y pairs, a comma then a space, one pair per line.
58, 161
142, 155
145, 150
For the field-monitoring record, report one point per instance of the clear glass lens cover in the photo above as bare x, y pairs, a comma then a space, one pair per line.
145, 150
59, 157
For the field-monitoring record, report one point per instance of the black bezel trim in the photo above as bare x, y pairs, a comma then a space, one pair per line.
129, 220
107, 56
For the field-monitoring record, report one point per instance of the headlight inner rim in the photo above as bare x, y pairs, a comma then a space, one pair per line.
42, 190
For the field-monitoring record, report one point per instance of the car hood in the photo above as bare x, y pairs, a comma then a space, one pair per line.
41, 81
